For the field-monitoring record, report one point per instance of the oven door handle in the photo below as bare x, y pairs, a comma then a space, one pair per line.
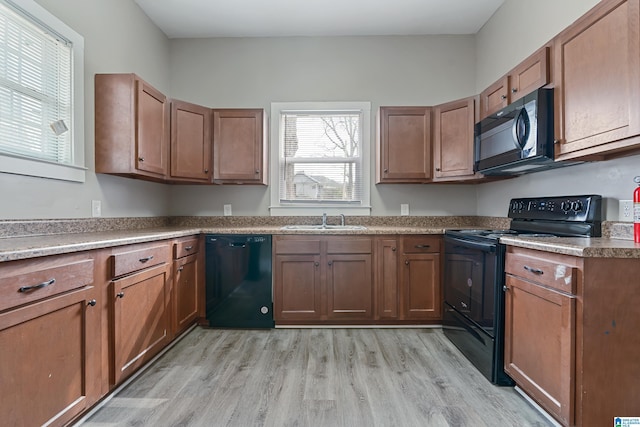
467, 244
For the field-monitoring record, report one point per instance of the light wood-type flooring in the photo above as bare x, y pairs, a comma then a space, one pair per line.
315, 377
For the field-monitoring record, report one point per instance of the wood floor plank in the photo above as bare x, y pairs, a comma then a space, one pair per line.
315, 377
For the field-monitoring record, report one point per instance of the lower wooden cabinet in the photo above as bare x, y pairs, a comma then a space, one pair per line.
188, 283
571, 334
140, 318
326, 279
50, 347
539, 343
357, 280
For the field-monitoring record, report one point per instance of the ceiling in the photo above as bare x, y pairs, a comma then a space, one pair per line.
279, 18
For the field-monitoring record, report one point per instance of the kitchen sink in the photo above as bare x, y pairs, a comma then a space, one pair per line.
321, 227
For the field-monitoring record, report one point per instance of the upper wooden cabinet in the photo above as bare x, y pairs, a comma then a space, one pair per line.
597, 82
132, 127
404, 145
453, 140
239, 147
190, 142
529, 75
495, 97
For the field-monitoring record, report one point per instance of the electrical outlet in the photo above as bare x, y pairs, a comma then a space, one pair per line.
96, 208
227, 210
404, 209
625, 210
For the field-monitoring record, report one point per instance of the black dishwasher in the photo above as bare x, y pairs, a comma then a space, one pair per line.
238, 281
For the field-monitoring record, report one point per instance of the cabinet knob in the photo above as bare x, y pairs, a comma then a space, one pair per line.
120, 295
257, 171
437, 169
206, 171
406, 262
141, 159
393, 249
503, 97
386, 171
92, 303
514, 90
316, 263
180, 268
330, 262
504, 288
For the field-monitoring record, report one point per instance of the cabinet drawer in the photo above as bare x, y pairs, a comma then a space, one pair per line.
297, 246
184, 248
547, 272
420, 244
26, 281
349, 246
127, 262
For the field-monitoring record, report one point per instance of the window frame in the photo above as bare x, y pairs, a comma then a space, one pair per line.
30, 166
310, 208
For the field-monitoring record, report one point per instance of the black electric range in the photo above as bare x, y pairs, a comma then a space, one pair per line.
474, 275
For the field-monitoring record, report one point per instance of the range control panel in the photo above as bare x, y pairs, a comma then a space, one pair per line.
558, 208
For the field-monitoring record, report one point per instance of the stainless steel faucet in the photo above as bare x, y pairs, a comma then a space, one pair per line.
342, 220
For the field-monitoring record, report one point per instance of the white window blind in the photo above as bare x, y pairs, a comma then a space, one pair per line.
36, 81
321, 157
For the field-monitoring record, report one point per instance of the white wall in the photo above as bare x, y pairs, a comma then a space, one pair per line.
516, 30
118, 38
253, 72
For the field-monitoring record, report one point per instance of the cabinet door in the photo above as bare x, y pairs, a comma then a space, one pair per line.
140, 318
494, 98
297, 288
238, 147
539, 345
453, 139
349, 287
404, 146
151, 129
421, 287
50, 366
185, 285
387, 295
190, 142
597, 81
530, 74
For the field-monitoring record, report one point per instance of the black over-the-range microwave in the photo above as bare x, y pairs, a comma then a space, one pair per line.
519, 138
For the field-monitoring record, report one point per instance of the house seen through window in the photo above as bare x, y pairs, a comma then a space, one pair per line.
321, 158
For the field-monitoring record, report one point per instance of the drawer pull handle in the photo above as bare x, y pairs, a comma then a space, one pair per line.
422, 246
120, 295
38, 286
143, 260
92, 303
533, 270
188, 248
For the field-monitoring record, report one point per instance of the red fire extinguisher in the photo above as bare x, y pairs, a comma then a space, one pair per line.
636, 211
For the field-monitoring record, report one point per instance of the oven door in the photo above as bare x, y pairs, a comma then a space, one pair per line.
470, 279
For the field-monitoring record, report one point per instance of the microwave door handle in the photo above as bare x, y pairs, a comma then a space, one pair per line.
520, 129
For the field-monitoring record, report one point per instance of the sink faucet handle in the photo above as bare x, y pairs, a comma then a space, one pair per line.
342, 219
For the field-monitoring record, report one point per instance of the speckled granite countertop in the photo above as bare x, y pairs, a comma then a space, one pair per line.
29, 239
596, 247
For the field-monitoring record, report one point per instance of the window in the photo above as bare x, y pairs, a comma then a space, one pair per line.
41, 91
322, 158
